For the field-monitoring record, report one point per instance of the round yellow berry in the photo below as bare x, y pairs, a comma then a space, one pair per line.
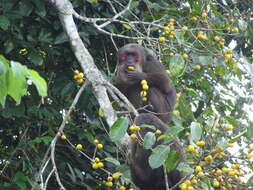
144, 99
198, 169
79, 147
229, 127
145, 87
200, 143
194, 181
162, 39
184, 28
95, 166
194, 19
63, 137
143, 82
95, 141
100, 164
116, 175
109, 184
219, 172
79, 81
204, 15
97, 160
122, 187
190, 148
109, 178
197, 67
183, 186
171, 54
100, 146
201, 36
143, 93
133, 136
216, 38
171, 36
201, 174
209, 158
185, 56
216, 183
235, 30
158, 132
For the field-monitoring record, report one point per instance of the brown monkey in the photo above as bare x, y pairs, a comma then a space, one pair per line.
161, 92
136, 64
143, 175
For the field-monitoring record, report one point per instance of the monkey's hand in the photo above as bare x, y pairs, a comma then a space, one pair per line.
135, 76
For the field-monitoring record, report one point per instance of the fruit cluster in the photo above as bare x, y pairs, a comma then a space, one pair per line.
78, 76
144, 93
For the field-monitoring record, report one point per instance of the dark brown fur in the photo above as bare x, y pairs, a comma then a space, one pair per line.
161, 93
161, 97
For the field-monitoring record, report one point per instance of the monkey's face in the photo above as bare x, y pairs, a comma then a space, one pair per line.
130, 59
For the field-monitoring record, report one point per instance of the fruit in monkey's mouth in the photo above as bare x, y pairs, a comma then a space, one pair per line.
131, 68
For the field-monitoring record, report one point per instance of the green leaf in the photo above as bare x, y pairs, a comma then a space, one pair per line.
176, 65
196, 131
118, 129
20, 180
158, 156
38, 81
172, 160
242, 24
185, 168
149, 140
113, 161
17, 85
36, 58
205, 60
61, 38
127, 26
249, 133
174, 130
4, 22
179, 36
152, 127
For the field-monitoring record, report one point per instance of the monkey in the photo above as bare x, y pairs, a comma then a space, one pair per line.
161, 100
161, 95
142, 174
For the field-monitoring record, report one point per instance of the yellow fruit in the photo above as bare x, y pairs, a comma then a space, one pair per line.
143, 82
187, 134
184, 28
235, 30
100, 164
76, 71
183, 186
194, 181
216, 38
190, 148
171, 54
248, 156
171, 20
194, 19
131, 68
190, 188
80, 75
222, 43
216, 183
95, 141
100, 146
185, 56
198, 169
209, 158
95, 166
162, 39
109, 178
228, 29
201, 174
122, 187
228, 51
137, 128
132, 128
225, 170
158, 132
145, 87
229, 127
201, 36
79, 81
171, 36
219, 172
79, 147
166, 29
94, 1
144, 99
143, 93
178, 95
97, 160
116, 175
204, 15
197, 67
63, 137
109, 184
133, 136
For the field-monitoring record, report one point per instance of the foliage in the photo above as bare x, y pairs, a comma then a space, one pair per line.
214, 87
